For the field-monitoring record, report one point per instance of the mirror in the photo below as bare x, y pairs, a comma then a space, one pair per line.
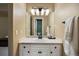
39, 24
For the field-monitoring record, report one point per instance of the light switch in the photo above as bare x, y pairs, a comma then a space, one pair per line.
16, 32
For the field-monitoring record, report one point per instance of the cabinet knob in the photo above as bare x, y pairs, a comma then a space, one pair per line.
51, 52
28, 51
40, 52
24, 47
55, 47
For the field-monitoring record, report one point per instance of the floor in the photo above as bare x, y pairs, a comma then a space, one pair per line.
3, 51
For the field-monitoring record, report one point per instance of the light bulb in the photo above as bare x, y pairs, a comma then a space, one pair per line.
33, 11
37, 12
47, 12
42, 12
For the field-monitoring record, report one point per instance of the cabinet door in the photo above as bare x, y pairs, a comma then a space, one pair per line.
24, 50
55, 50
39, 50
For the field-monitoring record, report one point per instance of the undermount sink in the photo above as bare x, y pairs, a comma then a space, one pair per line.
43, 40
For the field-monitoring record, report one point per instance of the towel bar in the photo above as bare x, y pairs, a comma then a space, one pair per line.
63, 22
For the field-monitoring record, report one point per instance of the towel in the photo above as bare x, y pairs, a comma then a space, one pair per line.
71, 36
69, 24
75, 40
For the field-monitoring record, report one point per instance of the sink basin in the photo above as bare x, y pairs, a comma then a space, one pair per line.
43, 40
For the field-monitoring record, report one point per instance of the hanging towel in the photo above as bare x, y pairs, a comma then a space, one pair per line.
75, 40
71, 36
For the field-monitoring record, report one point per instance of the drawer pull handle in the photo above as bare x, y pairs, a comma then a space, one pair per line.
55, 47
28, 51
51, 52
39, 52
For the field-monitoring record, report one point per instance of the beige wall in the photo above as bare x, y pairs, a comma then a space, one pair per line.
19, 16
51, 23
27, 24
10, 29
62, 12
3, 9
18, 27
3, 20
3, 27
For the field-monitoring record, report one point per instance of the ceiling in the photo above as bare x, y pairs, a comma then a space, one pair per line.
3, 9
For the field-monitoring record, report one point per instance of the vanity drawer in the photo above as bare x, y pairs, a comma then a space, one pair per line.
40, 50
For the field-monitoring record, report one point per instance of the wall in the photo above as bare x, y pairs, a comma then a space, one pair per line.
51, 23
3, 9
3, 20
10, 29
27, 24
19, 17
3, 27
63, 12
16, 26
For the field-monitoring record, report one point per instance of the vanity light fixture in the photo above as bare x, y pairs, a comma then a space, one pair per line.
40, 11
47, 12
37, 12
33, 11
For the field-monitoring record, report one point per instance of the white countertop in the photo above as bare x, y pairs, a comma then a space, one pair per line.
43, 40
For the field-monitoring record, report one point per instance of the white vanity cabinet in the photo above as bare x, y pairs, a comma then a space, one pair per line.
40, 49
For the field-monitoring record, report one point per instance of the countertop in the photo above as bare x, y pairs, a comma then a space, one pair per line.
43, 40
